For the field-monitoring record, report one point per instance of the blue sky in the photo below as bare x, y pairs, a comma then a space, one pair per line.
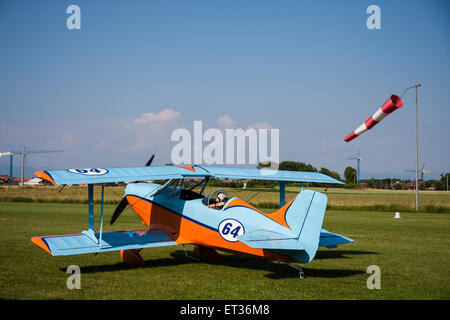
312, 69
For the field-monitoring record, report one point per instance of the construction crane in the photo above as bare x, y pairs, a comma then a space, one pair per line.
10, 154
358, 159
23, 152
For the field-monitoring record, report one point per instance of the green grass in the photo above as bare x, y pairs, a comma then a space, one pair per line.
412, 253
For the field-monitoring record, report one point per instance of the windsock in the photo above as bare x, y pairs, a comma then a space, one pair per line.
393, 103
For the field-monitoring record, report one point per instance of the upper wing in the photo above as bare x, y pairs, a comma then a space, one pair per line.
267, 174
105, 175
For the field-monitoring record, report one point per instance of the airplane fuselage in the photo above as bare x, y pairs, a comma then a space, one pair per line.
194, 222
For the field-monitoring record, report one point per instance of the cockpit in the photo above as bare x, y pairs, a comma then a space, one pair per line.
192, 188
216, 199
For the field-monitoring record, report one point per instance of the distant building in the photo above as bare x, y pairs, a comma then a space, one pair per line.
34, 182
411, 185
19, 180
4, 179
408, 185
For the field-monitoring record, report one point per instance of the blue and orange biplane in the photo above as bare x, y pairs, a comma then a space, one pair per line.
178, 212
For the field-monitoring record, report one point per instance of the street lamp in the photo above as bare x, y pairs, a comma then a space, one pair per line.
417, 144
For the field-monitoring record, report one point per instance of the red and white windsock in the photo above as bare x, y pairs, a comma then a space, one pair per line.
389, 106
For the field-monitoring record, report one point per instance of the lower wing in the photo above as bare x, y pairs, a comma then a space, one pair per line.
70, 244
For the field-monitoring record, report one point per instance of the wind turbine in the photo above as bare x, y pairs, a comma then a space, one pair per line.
421, 171
358, 159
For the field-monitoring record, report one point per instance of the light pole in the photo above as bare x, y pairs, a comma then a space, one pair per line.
417, 144
23, 165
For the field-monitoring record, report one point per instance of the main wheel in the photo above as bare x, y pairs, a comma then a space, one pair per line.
302, 275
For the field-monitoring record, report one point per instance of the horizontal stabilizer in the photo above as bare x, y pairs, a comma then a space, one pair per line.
81, 243
331, 240
279, 244
265, 239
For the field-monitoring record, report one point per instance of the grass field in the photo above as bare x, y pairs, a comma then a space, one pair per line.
412, 253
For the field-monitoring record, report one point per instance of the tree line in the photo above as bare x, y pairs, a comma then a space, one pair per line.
349, 178
399, 184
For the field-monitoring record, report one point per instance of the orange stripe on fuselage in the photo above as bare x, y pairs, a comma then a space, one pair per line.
156, 217
185, 231
278, 216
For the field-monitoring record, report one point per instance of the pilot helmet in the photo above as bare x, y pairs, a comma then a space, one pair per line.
221, 196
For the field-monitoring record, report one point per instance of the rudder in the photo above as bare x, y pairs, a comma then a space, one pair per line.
306, 216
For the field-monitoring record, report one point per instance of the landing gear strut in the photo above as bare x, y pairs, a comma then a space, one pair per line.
190, 257
301, 274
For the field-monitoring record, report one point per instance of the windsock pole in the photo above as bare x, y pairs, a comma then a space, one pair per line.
417, 143
392, 104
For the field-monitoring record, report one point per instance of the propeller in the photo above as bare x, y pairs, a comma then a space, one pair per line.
119, 209
124, 202
149, 162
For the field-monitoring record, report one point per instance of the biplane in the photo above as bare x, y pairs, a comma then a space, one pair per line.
179, 212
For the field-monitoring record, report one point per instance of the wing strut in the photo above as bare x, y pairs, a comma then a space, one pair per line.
282, 193
101, 218
90, 233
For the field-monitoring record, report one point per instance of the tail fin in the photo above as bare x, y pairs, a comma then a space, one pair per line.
308, 207
304, 216
309, 234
